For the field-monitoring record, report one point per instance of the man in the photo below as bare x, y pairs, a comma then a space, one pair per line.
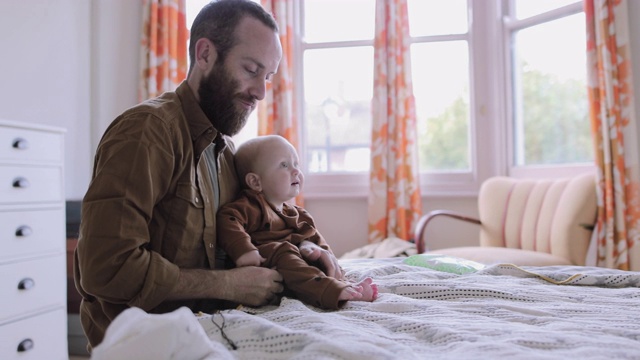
163, 167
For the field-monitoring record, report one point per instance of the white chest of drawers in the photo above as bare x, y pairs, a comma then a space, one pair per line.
33, 316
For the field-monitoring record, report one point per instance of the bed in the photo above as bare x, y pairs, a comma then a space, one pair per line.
499, 311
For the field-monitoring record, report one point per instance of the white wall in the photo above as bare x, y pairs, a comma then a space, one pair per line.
44, 69
115, 36
74, 64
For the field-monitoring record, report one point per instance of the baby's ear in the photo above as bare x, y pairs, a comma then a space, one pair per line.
253, 181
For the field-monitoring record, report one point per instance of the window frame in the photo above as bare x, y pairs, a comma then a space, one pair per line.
322, 185
510, 24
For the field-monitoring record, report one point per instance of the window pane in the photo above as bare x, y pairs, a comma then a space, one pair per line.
338, 20
437, 17
526, 8
338, 87
441, 87
551, 107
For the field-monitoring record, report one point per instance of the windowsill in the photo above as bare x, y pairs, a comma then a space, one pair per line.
443, 185
356, 185
551, 171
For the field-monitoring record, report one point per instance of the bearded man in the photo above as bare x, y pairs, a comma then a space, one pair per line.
162, 169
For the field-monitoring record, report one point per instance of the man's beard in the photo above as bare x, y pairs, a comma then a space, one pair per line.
217, 92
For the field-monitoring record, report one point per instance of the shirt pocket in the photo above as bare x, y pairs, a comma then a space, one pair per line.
183, 243
189, 193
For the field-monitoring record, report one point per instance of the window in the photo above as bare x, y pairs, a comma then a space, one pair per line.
441, 83
547, 83
338, 78
494, 94
337, 62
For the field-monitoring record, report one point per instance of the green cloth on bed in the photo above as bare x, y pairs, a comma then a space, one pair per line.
444, 263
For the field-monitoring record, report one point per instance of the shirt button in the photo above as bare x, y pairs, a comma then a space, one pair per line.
197, 201
211, 245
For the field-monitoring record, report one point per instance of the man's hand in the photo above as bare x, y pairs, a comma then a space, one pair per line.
327, 262
253, 286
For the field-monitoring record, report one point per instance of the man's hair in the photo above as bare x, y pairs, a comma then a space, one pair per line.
218, 20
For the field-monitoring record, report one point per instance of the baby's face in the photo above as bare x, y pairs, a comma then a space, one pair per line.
280, 172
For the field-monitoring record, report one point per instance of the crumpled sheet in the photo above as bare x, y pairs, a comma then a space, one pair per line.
389, 247
135, 334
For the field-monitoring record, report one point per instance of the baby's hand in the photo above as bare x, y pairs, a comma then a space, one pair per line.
251, 258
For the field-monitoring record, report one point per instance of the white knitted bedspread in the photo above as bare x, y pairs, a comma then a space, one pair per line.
501, 312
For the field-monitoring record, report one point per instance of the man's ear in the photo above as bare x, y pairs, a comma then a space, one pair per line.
205, 53
253, 181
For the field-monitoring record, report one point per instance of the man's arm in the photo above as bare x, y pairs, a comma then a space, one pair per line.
250, 285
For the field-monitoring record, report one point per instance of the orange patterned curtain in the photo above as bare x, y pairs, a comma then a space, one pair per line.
277, 114
612, 115
394, 196
163, 54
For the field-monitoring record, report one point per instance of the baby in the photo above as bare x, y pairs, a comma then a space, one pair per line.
261, 229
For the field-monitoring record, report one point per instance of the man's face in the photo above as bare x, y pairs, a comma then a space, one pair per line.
219, 90
234, 85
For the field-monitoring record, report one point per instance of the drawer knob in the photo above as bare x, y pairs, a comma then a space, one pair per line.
25, 345
20, 144
21, 183
24, 231
26, 284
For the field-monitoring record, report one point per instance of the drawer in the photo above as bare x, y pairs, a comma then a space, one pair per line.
32, 286
26, 184
46, 333
27, 232
30, 145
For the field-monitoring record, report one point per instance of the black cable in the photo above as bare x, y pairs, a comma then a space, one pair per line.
221, 328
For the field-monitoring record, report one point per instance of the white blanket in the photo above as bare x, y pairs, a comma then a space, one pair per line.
499, 312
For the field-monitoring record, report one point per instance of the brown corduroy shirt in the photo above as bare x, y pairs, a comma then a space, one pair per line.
149, 209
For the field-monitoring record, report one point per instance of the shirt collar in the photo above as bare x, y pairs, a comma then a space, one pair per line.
199, 124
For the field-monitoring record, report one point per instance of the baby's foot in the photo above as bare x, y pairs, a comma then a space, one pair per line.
362, 291
369, 290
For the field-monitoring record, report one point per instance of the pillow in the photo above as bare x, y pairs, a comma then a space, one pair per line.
444, 263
